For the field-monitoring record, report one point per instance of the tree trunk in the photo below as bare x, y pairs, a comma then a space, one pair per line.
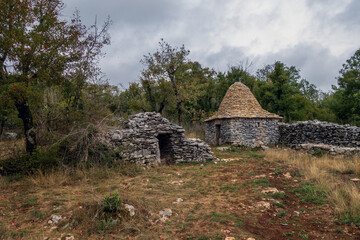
179, 113
178, 103
29, 131
3, 120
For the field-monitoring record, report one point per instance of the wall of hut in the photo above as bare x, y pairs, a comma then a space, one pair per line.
250, 132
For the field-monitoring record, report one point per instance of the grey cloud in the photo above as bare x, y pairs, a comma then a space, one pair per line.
139, 25
316, 63
351, 15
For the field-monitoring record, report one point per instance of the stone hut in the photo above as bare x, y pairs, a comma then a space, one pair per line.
241, 121
149, 139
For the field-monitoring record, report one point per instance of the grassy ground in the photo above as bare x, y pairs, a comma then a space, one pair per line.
316, 200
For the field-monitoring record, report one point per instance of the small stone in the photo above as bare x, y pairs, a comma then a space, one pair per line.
250, 239
229, 238
270, 190
287, 175
67, 237
131, 209
11, 135
179, 200
355, 179
177, 182
263, 204
297, 213
223, 149
263, 147
165, 214
54, 219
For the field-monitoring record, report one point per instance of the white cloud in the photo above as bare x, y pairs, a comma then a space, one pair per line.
315, 36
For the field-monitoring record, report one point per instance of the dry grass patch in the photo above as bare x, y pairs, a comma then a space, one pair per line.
333, 174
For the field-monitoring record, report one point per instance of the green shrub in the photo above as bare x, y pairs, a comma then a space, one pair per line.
112, 203
29, 163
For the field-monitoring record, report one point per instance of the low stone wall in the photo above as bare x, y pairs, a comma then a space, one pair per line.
317, 132
150, 139
250, 132
329, 149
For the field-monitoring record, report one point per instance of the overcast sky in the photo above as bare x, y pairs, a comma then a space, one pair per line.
316, 36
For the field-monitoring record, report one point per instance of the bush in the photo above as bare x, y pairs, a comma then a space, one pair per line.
28, 163
112, 203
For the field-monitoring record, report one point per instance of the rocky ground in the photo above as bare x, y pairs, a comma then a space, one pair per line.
246, 196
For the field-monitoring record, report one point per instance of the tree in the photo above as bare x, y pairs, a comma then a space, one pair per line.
39, 50
346, 99
163, 66
280, 89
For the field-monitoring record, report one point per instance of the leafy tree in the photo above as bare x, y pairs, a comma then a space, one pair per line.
346, 99
281, 90
162, 67
38, 50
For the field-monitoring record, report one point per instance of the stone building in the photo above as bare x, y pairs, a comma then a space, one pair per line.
241, 121
149, 139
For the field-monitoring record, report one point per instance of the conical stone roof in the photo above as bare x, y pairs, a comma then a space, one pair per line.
239, 102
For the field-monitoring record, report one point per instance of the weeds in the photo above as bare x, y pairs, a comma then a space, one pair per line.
328, 184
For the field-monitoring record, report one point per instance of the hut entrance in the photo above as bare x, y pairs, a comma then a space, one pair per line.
217, 134
166, 153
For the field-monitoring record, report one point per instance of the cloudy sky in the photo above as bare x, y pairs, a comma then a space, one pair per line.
316, 36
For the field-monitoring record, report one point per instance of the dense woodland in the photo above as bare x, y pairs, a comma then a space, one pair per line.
53, 91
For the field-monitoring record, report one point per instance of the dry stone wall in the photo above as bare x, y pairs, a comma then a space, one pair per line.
250, 132
149, 139
317, 132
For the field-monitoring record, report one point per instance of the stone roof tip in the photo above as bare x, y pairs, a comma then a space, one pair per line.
239, 102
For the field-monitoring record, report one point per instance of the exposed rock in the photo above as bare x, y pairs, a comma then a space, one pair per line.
263, 204
355, 179
223, 149
177, 182
330, 149
287, 175
229, 238
271, 190
165, 214
67, 237
131, 209
179, 200
54, 219
149, 139
11, 135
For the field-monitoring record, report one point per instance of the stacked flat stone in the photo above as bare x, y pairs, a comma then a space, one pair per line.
329, 149
250, 132
138, 141
318, 132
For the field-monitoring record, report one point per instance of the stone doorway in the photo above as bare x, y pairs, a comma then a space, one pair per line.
165, 149
218, 134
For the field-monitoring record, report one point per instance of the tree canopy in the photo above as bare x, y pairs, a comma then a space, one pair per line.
39, 49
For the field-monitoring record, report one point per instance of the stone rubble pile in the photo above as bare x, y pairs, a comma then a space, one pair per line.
149, 139
330, 149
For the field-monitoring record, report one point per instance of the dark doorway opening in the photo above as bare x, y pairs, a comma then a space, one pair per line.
166, 152
217, 134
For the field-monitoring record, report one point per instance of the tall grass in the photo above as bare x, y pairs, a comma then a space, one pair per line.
331, 173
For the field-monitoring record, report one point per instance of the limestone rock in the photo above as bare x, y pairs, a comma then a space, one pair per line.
165, 214
271, 190
131, 209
